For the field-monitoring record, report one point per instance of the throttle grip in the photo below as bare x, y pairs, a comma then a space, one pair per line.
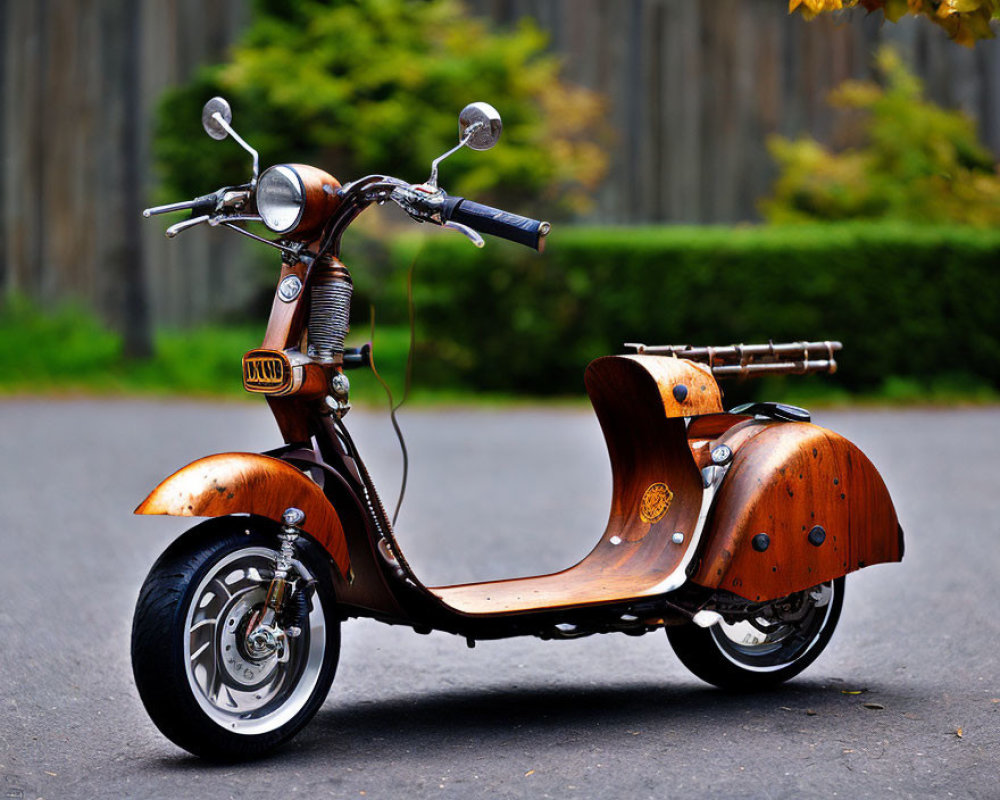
496, 222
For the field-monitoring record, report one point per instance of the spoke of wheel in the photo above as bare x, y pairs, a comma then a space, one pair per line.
213, 685
219, 589
230, 700
197, 654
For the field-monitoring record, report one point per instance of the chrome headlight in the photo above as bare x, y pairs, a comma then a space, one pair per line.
280, 198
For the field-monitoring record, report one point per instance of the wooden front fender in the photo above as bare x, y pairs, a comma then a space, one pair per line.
820, 503
231, 483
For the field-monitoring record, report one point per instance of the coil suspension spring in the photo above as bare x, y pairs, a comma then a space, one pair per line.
329, 312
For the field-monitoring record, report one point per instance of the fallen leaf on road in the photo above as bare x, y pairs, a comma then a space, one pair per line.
874, 706
959, 732
810, 712
529, 772
853, 691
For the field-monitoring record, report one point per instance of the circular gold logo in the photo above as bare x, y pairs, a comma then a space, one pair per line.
655, 502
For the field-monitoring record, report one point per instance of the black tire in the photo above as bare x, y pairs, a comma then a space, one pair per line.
196, 595
714, 655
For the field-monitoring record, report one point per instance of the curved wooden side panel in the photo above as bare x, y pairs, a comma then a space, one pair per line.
657, 493
821, 505
249, 483
686, 388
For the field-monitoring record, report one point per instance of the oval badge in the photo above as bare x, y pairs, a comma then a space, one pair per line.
289, 288
655, 502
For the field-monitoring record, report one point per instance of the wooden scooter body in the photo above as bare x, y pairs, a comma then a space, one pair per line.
793, 506
732, 530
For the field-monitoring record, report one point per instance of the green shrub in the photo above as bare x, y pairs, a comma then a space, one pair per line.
375, 86
917, 303
918, 162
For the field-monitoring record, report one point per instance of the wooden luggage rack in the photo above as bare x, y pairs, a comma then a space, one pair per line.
750, 360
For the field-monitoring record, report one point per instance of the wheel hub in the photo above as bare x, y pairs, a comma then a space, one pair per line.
243, 666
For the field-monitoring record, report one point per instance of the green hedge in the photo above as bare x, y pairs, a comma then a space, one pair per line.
909, 302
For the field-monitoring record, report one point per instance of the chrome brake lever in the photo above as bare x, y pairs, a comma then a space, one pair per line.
467, 232
180, 227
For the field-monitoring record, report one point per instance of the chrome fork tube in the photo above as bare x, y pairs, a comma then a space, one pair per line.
264, 637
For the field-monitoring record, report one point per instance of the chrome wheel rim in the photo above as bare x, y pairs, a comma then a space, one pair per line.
241, 694
791, 627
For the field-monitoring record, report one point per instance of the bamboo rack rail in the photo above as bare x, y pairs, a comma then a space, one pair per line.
750, 360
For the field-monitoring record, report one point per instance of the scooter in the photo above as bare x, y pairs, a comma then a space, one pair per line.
732, 530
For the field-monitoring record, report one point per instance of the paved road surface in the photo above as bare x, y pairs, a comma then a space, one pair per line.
498, 494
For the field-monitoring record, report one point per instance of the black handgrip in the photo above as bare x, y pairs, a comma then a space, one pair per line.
205, 204
495, 222
355, 357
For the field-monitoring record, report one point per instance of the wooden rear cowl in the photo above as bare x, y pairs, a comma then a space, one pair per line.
817, 499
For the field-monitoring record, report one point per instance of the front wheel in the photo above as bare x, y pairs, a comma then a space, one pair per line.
197, 680
765, 648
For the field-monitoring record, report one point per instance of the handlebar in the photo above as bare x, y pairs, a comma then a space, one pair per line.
496, 222
423, 202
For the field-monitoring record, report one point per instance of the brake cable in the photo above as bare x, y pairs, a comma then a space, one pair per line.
408, 380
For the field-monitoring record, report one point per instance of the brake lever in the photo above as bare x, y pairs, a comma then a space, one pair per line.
466, 231
180, 227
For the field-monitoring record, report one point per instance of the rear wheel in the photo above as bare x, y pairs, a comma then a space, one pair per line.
199, 682
766, 648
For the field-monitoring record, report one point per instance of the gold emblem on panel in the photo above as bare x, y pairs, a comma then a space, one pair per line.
655, 502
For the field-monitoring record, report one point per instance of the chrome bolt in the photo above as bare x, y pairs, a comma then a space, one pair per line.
722, 455
293, 517
340, 386
678, 538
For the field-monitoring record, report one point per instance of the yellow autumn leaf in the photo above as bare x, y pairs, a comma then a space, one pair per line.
965, 21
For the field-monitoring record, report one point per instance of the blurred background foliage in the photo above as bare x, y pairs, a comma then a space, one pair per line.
375, 86
895, 250
916, 161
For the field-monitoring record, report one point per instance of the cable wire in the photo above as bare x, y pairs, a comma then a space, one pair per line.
393, 406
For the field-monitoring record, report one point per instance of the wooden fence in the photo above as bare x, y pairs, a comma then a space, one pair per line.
693, 88
80, 80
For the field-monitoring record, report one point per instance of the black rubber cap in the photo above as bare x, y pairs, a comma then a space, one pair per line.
777, 411
680, 392
760, 542
817, 536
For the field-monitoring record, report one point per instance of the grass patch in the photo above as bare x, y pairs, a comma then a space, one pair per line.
69, 351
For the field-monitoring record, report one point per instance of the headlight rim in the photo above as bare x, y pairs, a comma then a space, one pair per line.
283, 170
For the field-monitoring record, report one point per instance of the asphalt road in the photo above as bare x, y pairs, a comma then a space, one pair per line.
497, 494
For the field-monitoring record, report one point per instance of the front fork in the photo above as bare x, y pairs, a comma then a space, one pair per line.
264, 636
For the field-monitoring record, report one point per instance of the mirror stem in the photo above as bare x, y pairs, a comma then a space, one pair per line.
432, 181
239, 140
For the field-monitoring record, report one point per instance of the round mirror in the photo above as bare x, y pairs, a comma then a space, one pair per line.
487, 133
217, 105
